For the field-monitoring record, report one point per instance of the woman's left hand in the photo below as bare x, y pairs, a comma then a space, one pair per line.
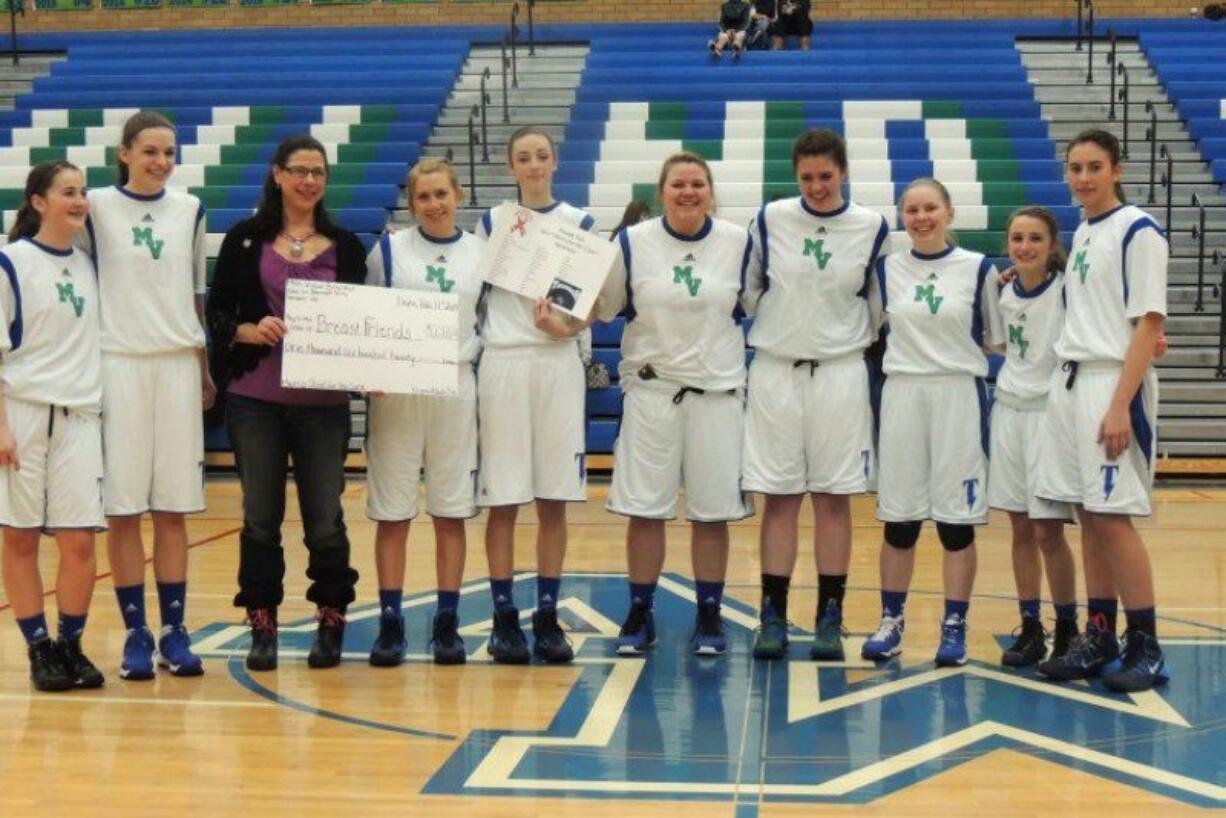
1115, 432
551, 321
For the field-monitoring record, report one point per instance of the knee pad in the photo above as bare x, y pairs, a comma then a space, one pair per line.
956, 537
902, 535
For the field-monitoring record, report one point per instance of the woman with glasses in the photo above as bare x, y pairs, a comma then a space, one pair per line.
290, 236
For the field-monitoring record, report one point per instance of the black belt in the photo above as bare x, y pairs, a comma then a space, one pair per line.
1071, 368
813, 365
51, 418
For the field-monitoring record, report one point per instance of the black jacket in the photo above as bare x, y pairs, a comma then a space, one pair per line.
237, 296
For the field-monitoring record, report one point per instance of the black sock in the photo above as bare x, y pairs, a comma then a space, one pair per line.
830, 587
775, 594
1143, 620
1108, 608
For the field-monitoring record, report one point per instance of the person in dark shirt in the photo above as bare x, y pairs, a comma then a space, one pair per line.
793, 21
734, 18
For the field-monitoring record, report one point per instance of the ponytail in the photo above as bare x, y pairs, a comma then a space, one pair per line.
41, 178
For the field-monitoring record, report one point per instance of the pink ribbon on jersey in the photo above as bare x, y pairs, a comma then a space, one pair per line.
521, 223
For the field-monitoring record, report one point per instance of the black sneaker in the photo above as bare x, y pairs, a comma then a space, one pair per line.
1066, 631
549, 642
329, 637
47, 670
1142, 665
83, 672
1088, 653
445, 641
390, 644
508, 645
263, 652
1029, 645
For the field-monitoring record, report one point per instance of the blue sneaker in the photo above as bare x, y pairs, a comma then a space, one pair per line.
638, 632
1142, 666
770, 641
137, 665
887, 641
1092, 653
828, 635
175, 653
952, 650
708, 638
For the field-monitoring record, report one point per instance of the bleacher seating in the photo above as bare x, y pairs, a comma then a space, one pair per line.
1189, 65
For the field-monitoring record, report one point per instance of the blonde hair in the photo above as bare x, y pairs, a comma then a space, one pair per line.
942, 191
433, 165
687, 158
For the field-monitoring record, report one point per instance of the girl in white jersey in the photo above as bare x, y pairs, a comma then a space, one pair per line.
50, 432
678, 282
149, 244
407, 432
1032, 312
940, 303
1098, 430
530, 389
808, 425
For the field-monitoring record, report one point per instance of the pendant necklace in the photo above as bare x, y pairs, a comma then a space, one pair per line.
296, 246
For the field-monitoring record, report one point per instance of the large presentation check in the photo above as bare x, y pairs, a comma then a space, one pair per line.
369, 339
538, 255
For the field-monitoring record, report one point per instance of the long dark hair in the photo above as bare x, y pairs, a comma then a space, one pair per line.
41, 178
635, 212
269, 218
136, 123
1107, 141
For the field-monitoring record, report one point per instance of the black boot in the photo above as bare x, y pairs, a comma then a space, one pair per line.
263, 652
329, 637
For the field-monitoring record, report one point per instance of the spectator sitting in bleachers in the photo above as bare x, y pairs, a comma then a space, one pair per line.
734, 19
765, 14
793, 21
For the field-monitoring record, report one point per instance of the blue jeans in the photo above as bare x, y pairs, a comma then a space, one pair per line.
265, 436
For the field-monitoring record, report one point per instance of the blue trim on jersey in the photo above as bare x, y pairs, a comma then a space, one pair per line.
977, 315
1107, 215
1021, 292
46, 249
385, 250
629, 310
824, 214
16, 326
737, 312
452, 239
200, 211
1133, 229
985, 433
587, 223
487, 221
766, 250
1141, 429
882, 235
141, 197
699, 236
933, 256
881, 282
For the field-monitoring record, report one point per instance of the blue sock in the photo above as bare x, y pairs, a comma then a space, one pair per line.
953, 607
1067, 612
132, 605
389, 602
709, 593
71, 627
448, 600
547, 591
172, 601
1029, 608
34, 628
893, 603
501, 591
1109, 608
643, 595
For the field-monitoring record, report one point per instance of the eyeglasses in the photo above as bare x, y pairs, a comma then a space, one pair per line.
302, 172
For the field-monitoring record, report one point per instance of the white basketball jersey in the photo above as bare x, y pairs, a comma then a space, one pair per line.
941, 309
1032, 322
419, 262
49, 316
680, 294
809, 290
506, 318
1115, 274
150, 252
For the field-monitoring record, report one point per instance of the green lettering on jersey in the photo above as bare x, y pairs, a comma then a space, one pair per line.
68, 295
1017, 337
144, 235
928, 293
685, 275
815, 249
1080, 265
439, 276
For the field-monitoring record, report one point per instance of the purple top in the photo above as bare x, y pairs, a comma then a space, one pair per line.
264, 382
